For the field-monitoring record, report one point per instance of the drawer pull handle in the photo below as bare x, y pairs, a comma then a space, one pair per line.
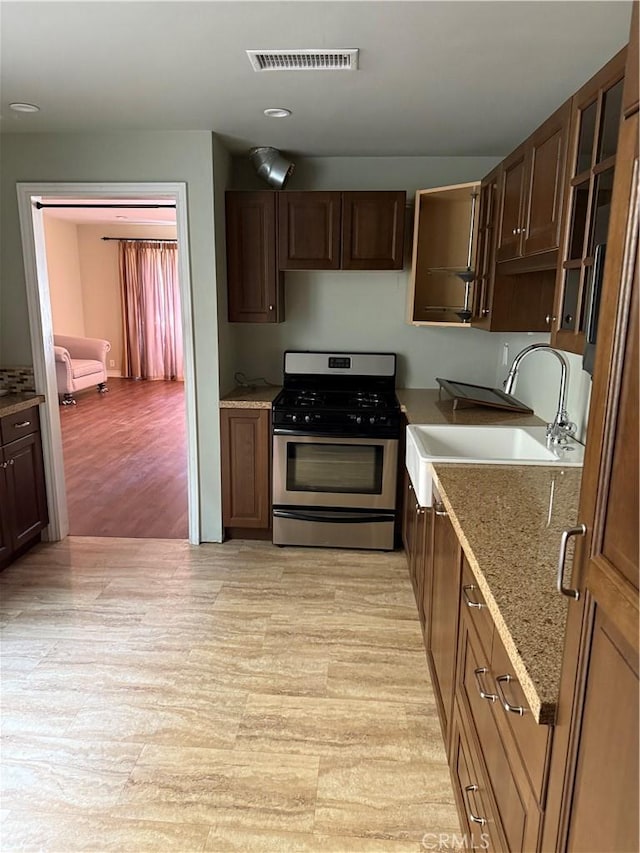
483, 693
22, 425
468, 789
439, 509
469, 601
580, 530
513, 709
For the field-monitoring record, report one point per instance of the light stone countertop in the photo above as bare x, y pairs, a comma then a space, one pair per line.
431, 406
509, 519
12, 403
260, 397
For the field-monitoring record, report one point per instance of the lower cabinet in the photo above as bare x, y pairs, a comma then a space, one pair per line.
443, 612
499, 756
23, 501
246, 472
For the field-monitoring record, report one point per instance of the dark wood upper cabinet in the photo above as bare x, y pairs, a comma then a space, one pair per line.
254, 284
511, 199
341, 230
309, 228
372, 230
595, 120
547, 157
531, 191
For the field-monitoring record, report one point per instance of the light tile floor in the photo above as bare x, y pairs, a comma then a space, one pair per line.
238, 697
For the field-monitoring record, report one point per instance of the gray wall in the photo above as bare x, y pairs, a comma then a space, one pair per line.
162, 156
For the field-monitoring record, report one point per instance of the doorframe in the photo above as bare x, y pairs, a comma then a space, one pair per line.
41, 329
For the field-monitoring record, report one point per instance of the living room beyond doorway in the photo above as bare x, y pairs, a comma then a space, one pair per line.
125, 461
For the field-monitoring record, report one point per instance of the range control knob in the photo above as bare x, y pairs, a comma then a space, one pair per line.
307, 419
294, 418
358, 420
372, 420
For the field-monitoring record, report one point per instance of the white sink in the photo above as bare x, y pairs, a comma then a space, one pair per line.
481, 445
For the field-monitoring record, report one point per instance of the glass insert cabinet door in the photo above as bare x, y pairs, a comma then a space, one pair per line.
595, 123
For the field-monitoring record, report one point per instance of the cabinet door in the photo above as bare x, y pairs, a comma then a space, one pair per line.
445, 593
595, 766
546, 155
485, 260
373, 230
595, 121
6, 522
25, 480
309, 225
245, 444
511, 200
253, 283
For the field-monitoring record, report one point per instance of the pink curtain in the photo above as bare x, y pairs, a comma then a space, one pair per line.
151, 310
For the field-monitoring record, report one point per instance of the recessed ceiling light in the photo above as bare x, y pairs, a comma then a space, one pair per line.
24, 108
277, 112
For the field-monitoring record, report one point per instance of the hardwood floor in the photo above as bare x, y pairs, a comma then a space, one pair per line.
125, 461
159, 696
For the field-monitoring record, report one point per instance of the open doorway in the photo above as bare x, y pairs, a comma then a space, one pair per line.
117, 331
120, 463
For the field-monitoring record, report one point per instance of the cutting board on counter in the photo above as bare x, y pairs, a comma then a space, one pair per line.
465, 395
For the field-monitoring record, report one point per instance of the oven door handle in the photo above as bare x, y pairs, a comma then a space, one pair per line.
329, 517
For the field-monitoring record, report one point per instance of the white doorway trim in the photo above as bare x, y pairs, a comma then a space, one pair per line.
41, 328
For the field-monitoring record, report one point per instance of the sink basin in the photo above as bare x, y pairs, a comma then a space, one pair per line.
481, 445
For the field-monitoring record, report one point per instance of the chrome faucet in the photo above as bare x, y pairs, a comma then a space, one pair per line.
561, 428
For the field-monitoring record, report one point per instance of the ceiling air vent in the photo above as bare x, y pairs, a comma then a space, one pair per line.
304, 60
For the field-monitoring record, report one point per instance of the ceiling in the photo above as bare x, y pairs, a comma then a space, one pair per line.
436, 78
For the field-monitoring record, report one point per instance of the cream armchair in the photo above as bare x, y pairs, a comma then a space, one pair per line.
80, 363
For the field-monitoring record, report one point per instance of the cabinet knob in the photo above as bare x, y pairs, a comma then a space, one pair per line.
439, 509
485, 312
11, 462
4, 465
550, 318
270, 307
514, 230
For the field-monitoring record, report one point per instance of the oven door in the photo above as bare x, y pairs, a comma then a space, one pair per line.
334, 471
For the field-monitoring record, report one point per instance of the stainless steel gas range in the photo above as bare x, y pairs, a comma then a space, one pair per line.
336, 426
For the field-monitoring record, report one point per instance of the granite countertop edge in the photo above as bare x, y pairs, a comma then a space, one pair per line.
10, 404
258, 397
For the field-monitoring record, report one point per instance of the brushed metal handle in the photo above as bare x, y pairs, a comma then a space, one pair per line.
469, 601
579, 530
513, 709
22, 425
439, 509
483, 693
474, 818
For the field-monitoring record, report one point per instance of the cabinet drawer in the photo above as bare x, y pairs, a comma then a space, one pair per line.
20, 423
472, 795
516, 807
531, 741
474, 605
